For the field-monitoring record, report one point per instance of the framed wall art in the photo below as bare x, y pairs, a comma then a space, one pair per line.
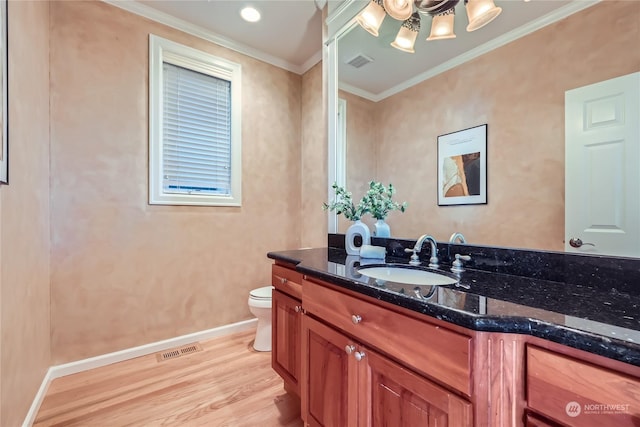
4, 104
462, 167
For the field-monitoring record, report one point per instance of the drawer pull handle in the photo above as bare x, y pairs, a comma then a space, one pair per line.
297, 308
349, 348
356, 319
283, 280
358, 355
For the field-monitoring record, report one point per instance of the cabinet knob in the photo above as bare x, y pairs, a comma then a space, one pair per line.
358, 355
349, 348
297, 308
356, 319
283, 280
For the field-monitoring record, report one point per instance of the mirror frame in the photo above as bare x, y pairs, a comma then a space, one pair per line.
338, 23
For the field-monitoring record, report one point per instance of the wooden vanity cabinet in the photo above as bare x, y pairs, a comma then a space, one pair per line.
396, 396
536, 421
346, 382
329, 386
580, 393
286, 318
358, 362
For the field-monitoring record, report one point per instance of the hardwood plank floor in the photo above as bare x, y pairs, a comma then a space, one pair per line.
228, 384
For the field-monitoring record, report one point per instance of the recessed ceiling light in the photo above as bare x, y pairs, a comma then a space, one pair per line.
250, 14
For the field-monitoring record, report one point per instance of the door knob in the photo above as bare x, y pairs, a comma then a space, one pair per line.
576, 242
358, 355
356, 319
349, 348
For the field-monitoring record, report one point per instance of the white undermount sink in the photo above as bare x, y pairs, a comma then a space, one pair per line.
406, 274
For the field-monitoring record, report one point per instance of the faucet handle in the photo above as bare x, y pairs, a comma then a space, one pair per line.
457, 266
415, 259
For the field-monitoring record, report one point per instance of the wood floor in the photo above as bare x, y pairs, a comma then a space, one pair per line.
227, 384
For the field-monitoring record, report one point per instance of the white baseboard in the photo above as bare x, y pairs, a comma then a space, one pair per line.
37, 401
130, 353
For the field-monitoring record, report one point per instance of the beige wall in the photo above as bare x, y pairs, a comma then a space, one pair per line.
314, 160
24, 215
518, 90
362, 148
125, 273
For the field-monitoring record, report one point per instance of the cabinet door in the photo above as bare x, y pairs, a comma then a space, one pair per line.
286, 339
578, 393
400, 397
535, 421
329, 377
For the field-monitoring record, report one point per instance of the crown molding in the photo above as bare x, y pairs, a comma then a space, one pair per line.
200, 32
309, 63
359, 92
550, 18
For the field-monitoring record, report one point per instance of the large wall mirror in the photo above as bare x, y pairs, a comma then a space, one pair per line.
511, 75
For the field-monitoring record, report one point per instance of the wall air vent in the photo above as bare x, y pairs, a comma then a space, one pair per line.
177, 352
360, 60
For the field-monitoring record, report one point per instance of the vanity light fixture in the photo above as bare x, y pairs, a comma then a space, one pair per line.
250, 14
442, 26
479, 13
371, 17
408, 34
398, 9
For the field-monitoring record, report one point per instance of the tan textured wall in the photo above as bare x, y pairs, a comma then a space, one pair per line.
125, 273
314, 174
362, 149
24, 215
518, 90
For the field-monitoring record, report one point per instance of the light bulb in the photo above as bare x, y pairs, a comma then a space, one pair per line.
250, 14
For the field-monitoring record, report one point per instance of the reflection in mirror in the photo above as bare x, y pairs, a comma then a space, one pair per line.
518, 89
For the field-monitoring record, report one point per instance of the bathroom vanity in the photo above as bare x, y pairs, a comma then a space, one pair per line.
496, 350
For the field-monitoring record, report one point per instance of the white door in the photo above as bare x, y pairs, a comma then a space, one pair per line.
602, 167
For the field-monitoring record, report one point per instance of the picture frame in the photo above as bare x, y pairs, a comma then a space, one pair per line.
4, 104
462, 167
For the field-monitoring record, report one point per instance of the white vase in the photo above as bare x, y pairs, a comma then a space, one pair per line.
358, 228
381, 229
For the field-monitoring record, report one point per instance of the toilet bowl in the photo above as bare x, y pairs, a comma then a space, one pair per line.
260, 306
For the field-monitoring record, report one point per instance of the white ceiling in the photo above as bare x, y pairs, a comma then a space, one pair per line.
289, 35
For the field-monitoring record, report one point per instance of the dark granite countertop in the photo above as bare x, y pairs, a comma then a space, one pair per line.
599, 319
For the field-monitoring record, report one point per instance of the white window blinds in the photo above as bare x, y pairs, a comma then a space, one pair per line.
196, 132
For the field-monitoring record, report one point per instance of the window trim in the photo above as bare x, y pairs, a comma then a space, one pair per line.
161, 51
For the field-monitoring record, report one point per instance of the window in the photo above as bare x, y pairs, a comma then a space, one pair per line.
194, 127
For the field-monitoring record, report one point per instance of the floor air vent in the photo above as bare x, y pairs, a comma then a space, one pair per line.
177, 352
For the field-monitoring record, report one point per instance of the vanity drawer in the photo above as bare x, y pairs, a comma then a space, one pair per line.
555, 381
287, 280
432, 350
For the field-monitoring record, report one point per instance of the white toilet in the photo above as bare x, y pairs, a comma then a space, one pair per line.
260, 306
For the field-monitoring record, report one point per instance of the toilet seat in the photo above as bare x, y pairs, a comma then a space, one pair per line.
263, 293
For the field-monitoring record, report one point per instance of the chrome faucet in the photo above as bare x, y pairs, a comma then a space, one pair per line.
415, 259
457, 236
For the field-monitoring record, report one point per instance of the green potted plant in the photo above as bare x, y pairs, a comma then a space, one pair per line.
343, 204
378, 201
